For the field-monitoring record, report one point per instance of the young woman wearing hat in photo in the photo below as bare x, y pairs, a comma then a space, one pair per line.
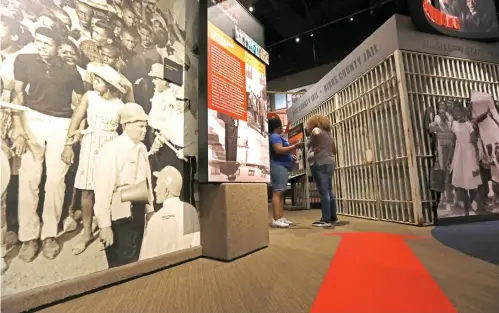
101, 107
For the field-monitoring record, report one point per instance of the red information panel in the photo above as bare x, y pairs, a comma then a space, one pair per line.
226, 81
238, 144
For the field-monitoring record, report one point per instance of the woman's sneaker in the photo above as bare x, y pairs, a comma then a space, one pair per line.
321, 223
279, 224
285, 220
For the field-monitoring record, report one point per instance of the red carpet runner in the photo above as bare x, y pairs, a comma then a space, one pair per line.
378, 273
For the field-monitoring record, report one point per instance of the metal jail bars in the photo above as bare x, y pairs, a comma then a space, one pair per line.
384, 156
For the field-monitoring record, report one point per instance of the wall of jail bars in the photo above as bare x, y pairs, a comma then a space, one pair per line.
384, 155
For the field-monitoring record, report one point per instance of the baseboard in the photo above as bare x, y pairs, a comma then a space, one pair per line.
466, 219
43, 296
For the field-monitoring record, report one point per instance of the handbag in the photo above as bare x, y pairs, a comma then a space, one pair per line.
437, 179
437, 176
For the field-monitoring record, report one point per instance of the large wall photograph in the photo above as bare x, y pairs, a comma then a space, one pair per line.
466, 145
99, 133
237, 112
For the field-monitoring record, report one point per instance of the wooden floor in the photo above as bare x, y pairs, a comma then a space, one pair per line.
286, 276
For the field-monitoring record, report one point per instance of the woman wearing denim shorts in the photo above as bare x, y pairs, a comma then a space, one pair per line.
322, 165
280, 163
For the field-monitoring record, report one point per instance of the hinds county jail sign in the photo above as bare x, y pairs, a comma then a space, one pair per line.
381, 44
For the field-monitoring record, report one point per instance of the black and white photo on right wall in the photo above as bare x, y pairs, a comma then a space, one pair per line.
465, 141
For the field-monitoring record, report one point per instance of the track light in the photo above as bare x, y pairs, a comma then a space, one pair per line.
297, 39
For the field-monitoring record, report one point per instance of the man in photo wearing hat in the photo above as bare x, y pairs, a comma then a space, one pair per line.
176, 225
122, 163
53, 84
166, 126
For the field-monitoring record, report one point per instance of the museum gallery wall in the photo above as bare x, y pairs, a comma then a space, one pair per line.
99, 108
236, 117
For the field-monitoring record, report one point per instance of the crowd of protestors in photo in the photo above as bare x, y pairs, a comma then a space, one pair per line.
69, 71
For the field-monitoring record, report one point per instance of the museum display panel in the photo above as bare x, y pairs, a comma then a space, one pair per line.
99, 125
235, 144
233, 165
237, 110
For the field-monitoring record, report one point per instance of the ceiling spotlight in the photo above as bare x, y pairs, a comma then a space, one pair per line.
351, 19
297, 39
312, 35
251, 9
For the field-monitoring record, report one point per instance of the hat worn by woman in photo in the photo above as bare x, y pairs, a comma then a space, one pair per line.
107, 73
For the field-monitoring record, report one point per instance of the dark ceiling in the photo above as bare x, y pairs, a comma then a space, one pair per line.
334, 34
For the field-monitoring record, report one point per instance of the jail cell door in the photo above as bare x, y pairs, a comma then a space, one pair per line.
373, 171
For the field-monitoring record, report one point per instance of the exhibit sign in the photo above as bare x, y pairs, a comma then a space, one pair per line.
251, 45
238, 146
470, 19
380, 45
411, 39
102, 136
295, 135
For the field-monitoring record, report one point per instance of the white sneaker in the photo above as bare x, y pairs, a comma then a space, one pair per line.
285, 220
279, 224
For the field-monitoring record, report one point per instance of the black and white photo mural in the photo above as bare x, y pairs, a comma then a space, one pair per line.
99, 135
466, 145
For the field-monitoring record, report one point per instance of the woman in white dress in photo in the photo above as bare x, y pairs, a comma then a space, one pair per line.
465, 168
101, 108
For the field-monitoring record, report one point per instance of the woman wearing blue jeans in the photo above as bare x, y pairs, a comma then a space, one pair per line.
321, 151
280, 164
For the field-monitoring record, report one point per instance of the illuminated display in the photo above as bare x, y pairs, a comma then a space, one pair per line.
251, 45
470, 19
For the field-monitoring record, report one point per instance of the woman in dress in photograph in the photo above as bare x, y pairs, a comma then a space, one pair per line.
442, 128
465, 168
101, 108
